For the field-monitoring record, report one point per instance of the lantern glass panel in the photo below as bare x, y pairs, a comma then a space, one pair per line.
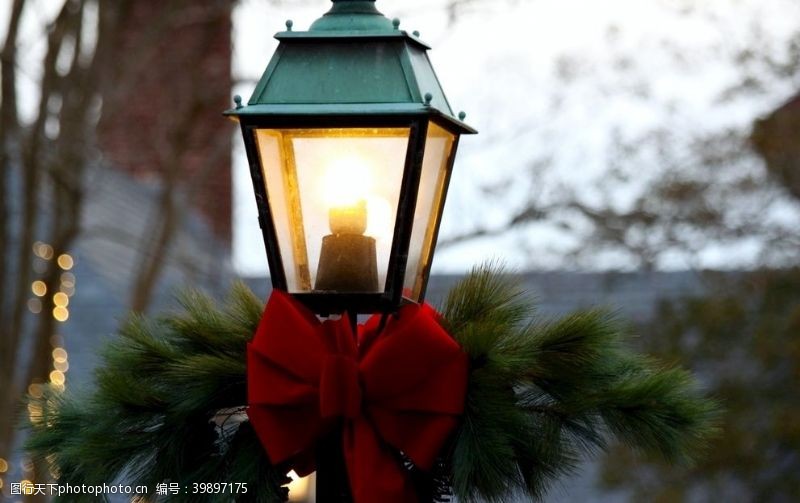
435, 166
333, 194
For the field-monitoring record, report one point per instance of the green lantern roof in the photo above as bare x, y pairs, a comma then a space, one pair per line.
352, 61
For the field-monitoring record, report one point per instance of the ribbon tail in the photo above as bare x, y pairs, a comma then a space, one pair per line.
375, 473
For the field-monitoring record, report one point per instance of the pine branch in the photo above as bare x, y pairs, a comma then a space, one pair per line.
159, 390
544, 394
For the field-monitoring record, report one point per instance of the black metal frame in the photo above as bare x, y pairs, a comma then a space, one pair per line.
334, 303
445, 188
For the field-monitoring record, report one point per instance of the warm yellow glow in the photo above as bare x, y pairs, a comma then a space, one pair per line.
26, 487
3, 465
379, 218
57, 387
35, 306
39, 288
60, 355
350, 195
1, 483
298, 488
61, 299
348, 219
35, 415
57, 377
61, 313
36, 391
347, 181
65, 261
61, 366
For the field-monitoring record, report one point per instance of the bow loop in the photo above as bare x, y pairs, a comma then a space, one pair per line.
400, 389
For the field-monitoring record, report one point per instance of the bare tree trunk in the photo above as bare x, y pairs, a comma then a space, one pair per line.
169, 215
53, 170
9, 129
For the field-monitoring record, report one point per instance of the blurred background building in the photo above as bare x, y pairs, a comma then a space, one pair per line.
643, 156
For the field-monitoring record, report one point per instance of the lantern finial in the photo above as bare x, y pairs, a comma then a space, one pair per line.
353, 15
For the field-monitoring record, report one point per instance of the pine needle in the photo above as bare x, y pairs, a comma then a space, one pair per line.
542, 395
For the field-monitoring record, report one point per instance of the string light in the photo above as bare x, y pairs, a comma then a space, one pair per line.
65, 261
57, 377
43, 250
61, 299
60, 313
60, 355
36, 391
39, 288
3, 465
61, 366
35, 415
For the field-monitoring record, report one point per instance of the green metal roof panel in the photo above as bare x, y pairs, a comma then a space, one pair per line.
426, 79
336, 72
351, 56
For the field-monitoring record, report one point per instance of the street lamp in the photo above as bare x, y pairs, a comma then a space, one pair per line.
351, 143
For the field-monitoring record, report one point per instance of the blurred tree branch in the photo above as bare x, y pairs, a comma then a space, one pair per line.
661, 195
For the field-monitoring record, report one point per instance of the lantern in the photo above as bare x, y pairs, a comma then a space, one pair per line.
351, 144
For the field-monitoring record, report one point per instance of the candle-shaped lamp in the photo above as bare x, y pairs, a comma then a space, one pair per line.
347, 261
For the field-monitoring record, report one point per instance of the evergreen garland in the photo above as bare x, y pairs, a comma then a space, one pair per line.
164, 391
545, 394
542, 395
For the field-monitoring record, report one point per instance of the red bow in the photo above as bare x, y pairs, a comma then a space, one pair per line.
400, 389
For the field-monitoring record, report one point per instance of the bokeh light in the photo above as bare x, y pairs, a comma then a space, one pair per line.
39, 288
35, 306
61, 313
65, 261
36, 390
60, 355
61, 299
57, 377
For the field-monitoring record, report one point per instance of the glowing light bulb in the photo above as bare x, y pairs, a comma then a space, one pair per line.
348, 219
347, 260
347, 183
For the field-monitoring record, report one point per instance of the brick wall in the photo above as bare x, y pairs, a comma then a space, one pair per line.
777, 139
162, 106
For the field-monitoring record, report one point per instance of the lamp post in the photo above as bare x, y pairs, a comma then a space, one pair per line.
351, 144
